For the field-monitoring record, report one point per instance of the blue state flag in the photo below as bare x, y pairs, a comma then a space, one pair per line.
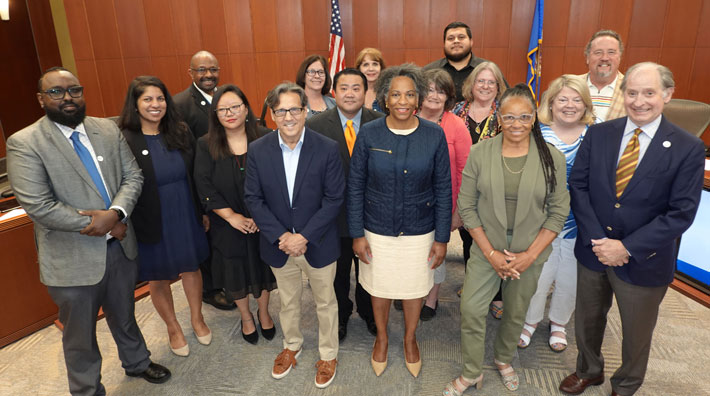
534, 57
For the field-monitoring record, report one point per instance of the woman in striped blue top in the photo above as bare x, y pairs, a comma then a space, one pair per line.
565, 113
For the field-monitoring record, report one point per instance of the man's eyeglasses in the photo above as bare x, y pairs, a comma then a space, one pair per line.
58, 93
203, 70
523, 118
295, 112
222, 111
313, 73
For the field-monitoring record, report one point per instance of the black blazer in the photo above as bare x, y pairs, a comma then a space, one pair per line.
194, 110
146, 217
328, 124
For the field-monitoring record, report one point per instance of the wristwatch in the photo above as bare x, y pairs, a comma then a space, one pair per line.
120, 214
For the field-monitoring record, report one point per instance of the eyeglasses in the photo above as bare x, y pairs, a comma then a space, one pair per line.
58, 93
203, 70
483, 83
510, 119
564, 101
295, 112
313, 73
235, 109
609, 53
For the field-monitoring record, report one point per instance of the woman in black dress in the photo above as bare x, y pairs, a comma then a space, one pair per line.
220, 167
167, 218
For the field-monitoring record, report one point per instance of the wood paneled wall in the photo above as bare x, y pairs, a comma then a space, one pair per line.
261, 42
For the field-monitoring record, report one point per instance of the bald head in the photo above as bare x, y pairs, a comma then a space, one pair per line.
204, 70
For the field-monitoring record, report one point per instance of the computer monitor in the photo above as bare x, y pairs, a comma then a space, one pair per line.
693, 264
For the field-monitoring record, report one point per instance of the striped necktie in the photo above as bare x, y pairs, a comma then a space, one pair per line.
627, 163
350, 136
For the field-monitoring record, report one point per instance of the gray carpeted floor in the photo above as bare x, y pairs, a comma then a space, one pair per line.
229, 366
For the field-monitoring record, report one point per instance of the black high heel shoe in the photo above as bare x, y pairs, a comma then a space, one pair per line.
267, 333
251, 338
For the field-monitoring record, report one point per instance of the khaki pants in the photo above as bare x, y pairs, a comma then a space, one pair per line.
289, 280
479, 287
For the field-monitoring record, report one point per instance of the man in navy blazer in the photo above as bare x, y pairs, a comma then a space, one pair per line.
626, 246
294, 189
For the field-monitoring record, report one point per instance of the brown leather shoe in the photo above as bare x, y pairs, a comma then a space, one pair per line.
575, 385
614, 394
325, 373
284, 362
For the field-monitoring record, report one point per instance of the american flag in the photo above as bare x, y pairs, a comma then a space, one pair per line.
336, 49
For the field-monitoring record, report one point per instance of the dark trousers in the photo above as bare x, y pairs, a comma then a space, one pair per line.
78, 309
341, 284
467, 243
638, 308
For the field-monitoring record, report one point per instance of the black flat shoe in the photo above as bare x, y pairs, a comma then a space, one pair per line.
267, 333
428, 312
219, 301
251, 338
155, 374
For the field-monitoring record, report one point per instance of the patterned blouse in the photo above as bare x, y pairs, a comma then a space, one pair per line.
569, 231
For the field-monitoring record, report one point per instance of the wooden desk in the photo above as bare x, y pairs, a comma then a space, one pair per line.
25, 305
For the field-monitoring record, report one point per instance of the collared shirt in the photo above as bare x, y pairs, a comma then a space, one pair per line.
84, 139
290, 158
208, 97
649, 131
356, 120
601, 98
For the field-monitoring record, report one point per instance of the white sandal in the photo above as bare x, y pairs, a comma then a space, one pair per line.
554, 340
524, 338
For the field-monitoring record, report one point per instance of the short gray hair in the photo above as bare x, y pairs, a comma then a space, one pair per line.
383, 83
664, 73
273, 97
602, 33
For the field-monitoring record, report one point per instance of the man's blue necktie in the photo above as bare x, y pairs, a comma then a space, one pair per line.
88, 160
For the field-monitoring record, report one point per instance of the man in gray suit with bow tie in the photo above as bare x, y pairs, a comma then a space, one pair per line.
77, 179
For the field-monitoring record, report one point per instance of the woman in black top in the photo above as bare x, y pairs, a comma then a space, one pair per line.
220, 167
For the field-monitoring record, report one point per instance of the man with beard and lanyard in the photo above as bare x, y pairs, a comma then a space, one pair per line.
194, 107
459, 60
77, 179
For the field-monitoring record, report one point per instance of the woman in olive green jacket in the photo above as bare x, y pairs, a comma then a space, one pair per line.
513, 202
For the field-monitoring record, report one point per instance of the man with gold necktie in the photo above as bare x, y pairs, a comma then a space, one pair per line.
342, 124
635, 188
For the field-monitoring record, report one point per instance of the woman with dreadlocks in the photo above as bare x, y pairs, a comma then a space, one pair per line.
513, 202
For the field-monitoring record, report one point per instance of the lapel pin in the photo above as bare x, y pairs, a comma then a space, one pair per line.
144, 152
99, 158
202, 103
666, 144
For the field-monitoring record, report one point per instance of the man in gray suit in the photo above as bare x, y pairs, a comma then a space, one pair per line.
349, 86
77, 179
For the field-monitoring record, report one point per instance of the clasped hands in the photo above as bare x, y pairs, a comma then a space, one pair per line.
103, 222
610, 252
293, 244
510, 265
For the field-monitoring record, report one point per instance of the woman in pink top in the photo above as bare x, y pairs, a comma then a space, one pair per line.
436, 107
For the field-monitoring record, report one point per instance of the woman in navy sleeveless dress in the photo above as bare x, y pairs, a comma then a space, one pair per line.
167, 218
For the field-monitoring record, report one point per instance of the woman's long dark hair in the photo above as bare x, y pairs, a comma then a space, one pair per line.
172, 129
216, 135
548, 165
